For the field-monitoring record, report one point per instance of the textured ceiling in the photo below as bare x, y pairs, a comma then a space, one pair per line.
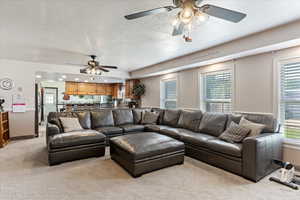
63, 31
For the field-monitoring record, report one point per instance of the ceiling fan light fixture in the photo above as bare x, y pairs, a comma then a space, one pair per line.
201, 17
186, 15
98, 72
176, 21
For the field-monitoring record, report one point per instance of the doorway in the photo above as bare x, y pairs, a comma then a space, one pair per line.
50, 100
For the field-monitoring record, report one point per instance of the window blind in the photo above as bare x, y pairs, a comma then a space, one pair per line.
170, 90
170, 100
290, 99
218, 92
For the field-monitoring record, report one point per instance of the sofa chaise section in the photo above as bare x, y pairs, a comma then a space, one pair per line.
75, 145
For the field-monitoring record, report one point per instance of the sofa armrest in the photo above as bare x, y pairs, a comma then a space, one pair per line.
259, 153
51, 130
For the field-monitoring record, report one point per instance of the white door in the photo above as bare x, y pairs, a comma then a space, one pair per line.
50, 101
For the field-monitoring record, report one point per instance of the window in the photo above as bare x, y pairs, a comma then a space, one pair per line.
290, 99
169, 94
217, 91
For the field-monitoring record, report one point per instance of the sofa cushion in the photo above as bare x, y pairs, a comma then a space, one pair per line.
143, 146
150, 117
236, 118
84, 118
110, 130
170, 117
235, 133
231, 149
171, 132
123, 116
262, 118
155, 128
132, 128
194, 138
190, 120
138, 115
161, 114
70, 124
75, 138
102, 118
213, 123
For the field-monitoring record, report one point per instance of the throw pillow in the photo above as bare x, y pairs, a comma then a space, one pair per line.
255, 128
150, 117
235, 133
70, 124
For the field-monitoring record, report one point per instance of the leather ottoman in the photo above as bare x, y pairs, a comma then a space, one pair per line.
145, 152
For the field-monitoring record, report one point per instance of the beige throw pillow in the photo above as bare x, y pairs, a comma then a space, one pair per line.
255, 128
70, 124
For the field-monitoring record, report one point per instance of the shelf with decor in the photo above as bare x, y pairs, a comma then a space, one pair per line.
4, 129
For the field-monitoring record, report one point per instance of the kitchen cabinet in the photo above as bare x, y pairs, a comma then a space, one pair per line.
91, 88
71, 88
100, 89
129, 84
116, 89
78, 88
109, 89
82, 89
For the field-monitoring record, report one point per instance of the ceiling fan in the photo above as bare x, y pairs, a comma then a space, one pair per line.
191, 12
94, 68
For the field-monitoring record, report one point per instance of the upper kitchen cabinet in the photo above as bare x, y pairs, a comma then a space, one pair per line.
100, 89
75, 88
129, 84
109, 89
71, 88
91, 88
82, 89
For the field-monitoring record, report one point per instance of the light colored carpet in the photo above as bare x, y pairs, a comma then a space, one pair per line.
25, 175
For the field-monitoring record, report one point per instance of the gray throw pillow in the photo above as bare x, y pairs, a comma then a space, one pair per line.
255, 128
70, 124
235, 133
150, 117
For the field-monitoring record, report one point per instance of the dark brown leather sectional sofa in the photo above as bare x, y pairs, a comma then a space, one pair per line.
199, 131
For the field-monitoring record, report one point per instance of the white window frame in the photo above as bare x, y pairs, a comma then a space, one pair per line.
203, 100
278, 64
162, 92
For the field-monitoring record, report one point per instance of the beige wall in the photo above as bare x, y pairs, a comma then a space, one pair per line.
253, 82
254, 86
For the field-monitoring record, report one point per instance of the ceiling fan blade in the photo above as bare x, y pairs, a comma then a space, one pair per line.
178, 29
198, 2
150, 12
83, 71
223, 13
110, 67
105, 70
